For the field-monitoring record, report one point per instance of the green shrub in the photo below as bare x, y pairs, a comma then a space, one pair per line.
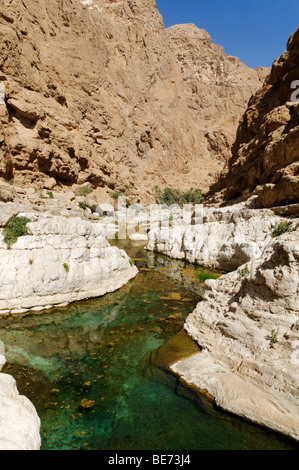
116, 194
205, 274
131, 262
66, 267
280, 229
193, 196
84, 191
274, 334
82, 205
244, 271
175, 196
50, 194
15, 228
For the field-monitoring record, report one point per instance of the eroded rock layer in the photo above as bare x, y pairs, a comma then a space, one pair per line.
98, 91
223, 238
59, 261
265, 159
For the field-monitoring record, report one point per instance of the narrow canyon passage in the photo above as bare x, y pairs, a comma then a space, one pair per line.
82, 366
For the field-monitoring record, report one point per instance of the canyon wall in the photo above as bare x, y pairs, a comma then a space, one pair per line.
99, 92
19, 423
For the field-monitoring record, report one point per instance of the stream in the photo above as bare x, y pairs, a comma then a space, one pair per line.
82, 367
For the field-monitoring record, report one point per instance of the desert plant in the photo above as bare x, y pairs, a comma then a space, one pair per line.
244, 271
116, 194
280, 229
82, 205
16, 228
83, 191
274, 334
66, 267
175, 196
170, 196
50, 194
192, 196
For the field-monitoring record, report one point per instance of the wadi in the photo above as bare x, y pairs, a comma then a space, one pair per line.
149, 234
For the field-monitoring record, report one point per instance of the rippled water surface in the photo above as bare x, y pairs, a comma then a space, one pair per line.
82, 367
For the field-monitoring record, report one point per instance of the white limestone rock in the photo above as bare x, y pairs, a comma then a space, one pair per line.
224, 239
138, 237
248, 327
19, 421
61, 260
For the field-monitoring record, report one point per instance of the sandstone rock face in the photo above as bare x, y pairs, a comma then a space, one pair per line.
98, 91
61, 260
19, 423
224, 238
265, 153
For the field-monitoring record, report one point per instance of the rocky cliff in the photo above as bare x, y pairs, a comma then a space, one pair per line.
265, 152
100, 92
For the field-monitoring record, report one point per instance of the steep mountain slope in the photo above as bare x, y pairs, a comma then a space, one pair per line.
99, 92
265, 159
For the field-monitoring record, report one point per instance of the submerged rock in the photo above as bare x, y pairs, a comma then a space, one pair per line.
86, 405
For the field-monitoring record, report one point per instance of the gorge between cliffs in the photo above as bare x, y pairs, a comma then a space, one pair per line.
149, 234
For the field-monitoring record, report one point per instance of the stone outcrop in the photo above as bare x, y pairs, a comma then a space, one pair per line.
248, 327
19, 422
223, 238
100, 92
265, 152
60, 260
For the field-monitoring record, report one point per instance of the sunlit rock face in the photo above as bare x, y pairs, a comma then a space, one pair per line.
100, 92
60, 261
223, 238
265, 152
19, 422
248, 327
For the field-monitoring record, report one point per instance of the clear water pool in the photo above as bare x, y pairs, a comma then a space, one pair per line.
82, 367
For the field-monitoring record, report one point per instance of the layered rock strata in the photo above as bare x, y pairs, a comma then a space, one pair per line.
61, 260
248, 327
222, 238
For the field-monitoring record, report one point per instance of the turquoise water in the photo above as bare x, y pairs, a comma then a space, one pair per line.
82, 367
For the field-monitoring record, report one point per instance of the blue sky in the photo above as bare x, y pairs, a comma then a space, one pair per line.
256, 31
